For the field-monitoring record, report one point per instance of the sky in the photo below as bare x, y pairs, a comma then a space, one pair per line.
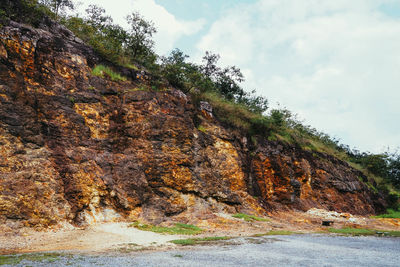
335, 63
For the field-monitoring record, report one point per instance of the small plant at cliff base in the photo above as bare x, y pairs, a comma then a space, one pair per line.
177, 229
279, 232
104, 72
249, 218
352, 231
35, 257
390, 214
363, 232
197, 241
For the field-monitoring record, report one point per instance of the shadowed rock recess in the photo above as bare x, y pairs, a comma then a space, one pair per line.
81, 149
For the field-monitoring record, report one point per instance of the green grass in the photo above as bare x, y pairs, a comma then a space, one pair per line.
279, 232
196, 241
229, 112
202, 129
104, 72
130, 66
249, 218
140, 88
363, 232
394, 233
35, 257
352, 231
390, 214
177, 229
184, 242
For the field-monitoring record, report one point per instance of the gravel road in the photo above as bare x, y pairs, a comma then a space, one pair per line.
295, 250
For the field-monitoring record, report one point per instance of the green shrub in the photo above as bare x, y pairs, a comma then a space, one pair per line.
390, 214
106, 72
130, 66
3, 17
227, 111
202, 129
261, 125
24, 11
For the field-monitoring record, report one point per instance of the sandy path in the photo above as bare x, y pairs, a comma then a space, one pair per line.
118, 237
96, 238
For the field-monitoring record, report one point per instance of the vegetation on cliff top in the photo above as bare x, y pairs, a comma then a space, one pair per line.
220, 86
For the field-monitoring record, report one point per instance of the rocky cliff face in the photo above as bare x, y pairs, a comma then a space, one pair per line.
81, 149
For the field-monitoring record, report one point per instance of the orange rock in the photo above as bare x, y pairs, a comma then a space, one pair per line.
82, 149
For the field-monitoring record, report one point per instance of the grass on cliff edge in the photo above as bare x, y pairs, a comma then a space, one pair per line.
177, 229
363, 232
104, 72
390, 214
197, 241
34, 257
249, 218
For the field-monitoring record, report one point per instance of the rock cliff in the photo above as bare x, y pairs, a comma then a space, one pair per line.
78, 148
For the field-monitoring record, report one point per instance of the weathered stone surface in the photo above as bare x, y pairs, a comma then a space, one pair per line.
206, 109
77, 148
303, 180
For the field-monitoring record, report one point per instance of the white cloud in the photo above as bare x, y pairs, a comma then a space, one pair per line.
170, 29
336, 63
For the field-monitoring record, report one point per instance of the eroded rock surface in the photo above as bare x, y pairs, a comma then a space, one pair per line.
81, 149
303, 180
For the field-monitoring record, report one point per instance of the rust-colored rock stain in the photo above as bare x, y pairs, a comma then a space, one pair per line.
81, 149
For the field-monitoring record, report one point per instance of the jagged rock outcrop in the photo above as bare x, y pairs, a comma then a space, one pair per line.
288, 176
78, 148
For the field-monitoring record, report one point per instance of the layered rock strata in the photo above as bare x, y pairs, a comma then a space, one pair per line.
81, 149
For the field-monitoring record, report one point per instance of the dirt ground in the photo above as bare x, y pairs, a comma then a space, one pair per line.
119, 237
